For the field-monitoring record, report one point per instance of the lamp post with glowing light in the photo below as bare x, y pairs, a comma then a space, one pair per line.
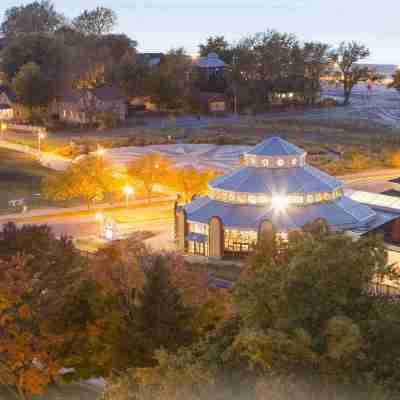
128, 191
3, 128
100, 151
100, 219
41, 135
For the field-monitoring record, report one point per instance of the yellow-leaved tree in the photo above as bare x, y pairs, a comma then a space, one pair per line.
89, 179
188, 182
150, 170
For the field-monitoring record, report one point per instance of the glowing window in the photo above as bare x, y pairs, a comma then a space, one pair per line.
280, 162
294, 161
252, 199
265, 162
310, 198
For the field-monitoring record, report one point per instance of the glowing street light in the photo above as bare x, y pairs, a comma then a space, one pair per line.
99, 217
128, 191
3, 128
100, 151
279, 203
41, 135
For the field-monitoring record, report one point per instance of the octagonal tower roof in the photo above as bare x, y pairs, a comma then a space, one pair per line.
276, 146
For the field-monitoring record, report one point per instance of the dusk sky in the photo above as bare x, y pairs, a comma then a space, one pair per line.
161, 24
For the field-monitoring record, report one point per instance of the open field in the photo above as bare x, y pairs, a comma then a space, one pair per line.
20, 176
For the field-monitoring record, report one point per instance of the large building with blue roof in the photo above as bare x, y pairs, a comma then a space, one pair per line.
274, 186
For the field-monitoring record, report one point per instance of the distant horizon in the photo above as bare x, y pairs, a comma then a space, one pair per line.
159, 25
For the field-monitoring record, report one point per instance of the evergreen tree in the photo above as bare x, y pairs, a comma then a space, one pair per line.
161, 318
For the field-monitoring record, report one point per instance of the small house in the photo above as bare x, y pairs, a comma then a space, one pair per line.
84, 106
7, 100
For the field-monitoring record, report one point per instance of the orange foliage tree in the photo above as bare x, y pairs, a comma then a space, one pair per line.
188, 182
40, 277
150, 170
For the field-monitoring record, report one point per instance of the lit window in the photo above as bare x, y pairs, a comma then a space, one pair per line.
281, 162
265, 163
310, 198
294, 161
252, 199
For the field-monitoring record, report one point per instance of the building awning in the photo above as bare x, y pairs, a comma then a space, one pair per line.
197, 237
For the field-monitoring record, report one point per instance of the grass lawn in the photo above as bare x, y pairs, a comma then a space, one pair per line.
20, 176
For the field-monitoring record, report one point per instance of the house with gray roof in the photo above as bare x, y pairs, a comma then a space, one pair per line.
84, 106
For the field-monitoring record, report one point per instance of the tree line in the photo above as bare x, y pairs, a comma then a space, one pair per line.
301, 322
92, 179
46, 50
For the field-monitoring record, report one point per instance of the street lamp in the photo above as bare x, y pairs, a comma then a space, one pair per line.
3, 128
128, 191
100, 151
41, 135
100, 219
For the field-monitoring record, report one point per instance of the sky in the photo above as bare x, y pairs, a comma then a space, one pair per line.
159, 25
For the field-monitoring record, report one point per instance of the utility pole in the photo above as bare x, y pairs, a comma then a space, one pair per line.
235, 85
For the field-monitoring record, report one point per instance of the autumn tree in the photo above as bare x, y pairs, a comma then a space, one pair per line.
187, 182
150, 170
347, 57
40, 276
89, 179
96, 22
35, 17
169, 84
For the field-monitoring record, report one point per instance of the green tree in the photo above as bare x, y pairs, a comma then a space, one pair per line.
347, 56
32, 87
396, 81
169, 83
35, 17
89, 179
218, 45
161, 319
48, 52
96, 22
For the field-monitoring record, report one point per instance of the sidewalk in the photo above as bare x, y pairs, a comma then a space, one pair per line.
53, 212
49, 160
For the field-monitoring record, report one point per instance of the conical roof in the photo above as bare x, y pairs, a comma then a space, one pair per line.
303, 180
276, 170
276, 146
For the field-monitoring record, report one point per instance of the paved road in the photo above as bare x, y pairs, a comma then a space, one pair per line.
157, 218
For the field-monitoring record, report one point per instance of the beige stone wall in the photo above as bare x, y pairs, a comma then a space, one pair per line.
216, 238
180, 230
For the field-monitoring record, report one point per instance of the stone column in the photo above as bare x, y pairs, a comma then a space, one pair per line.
216, 238
181, 229
395, 234
265, 231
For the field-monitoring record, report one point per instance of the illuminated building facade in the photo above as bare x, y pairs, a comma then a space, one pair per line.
273, 188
